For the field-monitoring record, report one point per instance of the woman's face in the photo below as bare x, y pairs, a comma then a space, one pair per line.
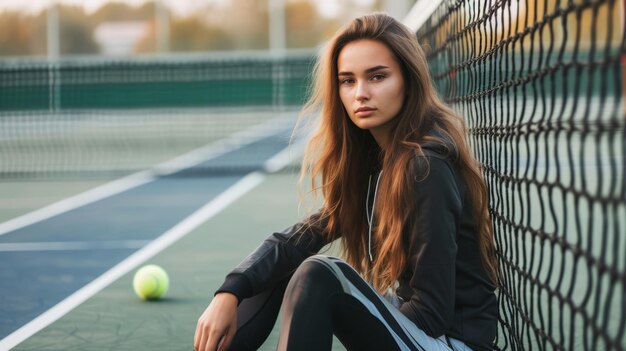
371, 86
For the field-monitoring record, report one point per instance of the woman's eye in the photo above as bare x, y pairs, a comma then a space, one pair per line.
378, 76
346, 81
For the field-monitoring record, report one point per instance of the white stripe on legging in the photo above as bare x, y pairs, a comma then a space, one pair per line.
358, 294
409, 329
374, 311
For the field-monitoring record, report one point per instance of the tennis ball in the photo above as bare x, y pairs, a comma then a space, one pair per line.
150, 282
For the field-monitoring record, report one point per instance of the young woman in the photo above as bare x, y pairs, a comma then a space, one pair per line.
405, 197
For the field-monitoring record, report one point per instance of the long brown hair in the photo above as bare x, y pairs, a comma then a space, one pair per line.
344, 155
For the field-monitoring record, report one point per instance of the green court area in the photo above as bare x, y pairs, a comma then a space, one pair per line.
20, 197
115, 319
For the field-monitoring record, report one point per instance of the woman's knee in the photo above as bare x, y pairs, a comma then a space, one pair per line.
315, 272
313, 267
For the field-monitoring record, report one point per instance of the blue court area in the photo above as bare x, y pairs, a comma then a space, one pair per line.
47, 261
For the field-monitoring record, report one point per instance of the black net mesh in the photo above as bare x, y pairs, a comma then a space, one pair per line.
541, 85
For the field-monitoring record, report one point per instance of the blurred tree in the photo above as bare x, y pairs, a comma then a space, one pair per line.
304, 25
191, 34
119, 11
306, 28
16, 32
39, 41
76, 31
246, 21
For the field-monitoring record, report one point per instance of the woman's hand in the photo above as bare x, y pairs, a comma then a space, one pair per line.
217, 324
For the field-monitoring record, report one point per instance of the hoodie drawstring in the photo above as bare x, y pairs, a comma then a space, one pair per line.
370, 217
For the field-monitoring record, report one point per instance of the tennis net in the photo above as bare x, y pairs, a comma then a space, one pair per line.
541, 87
106, 116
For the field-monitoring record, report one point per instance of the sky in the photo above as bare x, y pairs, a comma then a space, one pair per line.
327, 8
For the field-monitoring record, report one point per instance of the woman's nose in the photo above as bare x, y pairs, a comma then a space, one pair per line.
362, 92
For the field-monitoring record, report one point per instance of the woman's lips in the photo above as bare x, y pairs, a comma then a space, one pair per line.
364, 111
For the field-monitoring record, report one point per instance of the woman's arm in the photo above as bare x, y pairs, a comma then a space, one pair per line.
278, 256
433, 247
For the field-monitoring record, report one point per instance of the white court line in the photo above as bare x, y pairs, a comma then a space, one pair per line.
209, 210
220, 147
87, 197
73, 245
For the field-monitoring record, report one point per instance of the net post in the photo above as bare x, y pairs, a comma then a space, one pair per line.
52, 31
420, 12
162, 27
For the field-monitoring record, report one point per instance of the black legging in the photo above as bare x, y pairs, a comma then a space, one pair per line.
322, 298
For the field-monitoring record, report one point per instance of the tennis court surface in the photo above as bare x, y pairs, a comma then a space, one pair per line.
116, 319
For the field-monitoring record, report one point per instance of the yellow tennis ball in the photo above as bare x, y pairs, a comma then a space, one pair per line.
150, 282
